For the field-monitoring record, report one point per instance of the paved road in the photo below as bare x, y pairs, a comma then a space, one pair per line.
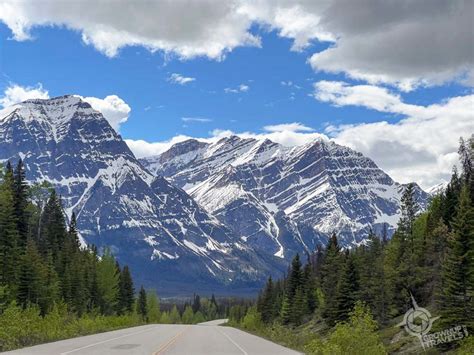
205, 338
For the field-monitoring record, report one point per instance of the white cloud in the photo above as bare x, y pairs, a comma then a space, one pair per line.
421, 147
415, 43
291, 127
196, 119
114, 109
176, 78
185, 28
286, 134
238, 89
143, 148
15, 94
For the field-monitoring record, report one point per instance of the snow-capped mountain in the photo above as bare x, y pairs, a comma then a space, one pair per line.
267, 192
156, 228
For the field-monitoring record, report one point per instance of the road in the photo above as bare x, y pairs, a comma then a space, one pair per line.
171, 339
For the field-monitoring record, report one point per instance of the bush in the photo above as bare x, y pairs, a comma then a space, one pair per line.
26, 327
252, 320
358, 336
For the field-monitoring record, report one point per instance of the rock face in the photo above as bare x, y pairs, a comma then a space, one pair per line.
170, 242
201, 217
282, 200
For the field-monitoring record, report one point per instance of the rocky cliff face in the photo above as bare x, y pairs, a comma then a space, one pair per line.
265, 192
158, 229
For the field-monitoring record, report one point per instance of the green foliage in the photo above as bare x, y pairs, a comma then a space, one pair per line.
358, 336
142, 308
252, 320
188, 315
25, 327
457, 294
153, 307
174, 316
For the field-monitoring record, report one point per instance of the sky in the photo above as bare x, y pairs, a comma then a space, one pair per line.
392, 80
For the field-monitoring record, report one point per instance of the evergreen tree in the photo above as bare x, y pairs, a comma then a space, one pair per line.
196, 303
330, 278
142, 308
107, 283
457, 294
21, 204
285, 312
9, 236
32, 287
267, 307
347, 291
126, 292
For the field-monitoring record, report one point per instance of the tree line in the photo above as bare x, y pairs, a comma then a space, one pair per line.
429, 256
41, 259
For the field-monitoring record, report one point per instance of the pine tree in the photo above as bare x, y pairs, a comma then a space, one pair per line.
126, 291
107, 283
457, 294
21, 204
267, 308
142, 309
196, 303
53, 232
33, 277
330, 277
285, 312
9, 236
347, 290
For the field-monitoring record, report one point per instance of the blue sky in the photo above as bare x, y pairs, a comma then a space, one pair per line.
248, 84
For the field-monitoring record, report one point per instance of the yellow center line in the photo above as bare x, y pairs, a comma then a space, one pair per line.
170, 342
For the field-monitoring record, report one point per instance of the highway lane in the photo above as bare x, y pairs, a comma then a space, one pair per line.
160, 339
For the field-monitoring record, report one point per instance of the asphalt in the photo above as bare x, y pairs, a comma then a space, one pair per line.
203, 339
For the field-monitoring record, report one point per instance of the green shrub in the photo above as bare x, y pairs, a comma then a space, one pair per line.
358, 336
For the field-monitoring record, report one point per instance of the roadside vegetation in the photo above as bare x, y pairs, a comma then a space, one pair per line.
350, 301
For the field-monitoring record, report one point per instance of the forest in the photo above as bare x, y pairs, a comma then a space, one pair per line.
52, 287
339, 301
332, 301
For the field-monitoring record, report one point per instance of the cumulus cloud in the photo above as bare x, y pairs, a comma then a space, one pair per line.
142, 148
291, 127
238, 89
185, 28
179, 79
16, 93
114, 109
403, 43
290, 134
420, 147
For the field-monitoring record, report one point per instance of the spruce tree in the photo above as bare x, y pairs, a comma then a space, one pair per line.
457, 293
347, 290
142, 309
21, 204
267, 308
9, 236
126, 291
330, 277
107, 283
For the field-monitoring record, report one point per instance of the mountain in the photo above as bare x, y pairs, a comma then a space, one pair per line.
284, 199
170, 242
